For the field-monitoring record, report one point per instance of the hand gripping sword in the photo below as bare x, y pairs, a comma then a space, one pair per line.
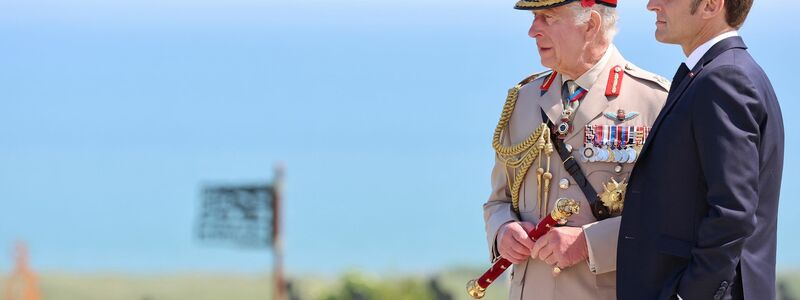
565, 208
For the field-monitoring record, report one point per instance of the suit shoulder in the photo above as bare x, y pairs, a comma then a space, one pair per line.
642, 74
734, 57
743, 68
728, 74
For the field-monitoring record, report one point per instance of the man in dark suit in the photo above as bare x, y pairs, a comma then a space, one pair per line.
701, 206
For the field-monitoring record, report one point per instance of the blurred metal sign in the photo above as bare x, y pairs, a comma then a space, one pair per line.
237, 215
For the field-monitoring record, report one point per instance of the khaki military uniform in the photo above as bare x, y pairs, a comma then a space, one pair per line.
639, 91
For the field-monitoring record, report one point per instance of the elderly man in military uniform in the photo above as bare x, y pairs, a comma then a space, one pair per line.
572, 132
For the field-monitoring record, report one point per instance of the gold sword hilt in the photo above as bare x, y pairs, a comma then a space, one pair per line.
565, 208
474, 290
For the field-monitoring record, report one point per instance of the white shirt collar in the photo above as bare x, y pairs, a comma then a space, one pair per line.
587, 79
698, 53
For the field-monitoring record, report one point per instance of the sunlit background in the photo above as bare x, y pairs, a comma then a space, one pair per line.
113, 114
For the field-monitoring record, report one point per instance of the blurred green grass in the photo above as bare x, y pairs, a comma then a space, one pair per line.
191, 286
65, 286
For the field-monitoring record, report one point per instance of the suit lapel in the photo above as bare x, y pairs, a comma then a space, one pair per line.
675, 93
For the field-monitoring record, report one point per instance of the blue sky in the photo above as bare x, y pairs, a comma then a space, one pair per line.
113, 114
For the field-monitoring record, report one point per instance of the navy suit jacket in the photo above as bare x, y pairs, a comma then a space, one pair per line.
701, 208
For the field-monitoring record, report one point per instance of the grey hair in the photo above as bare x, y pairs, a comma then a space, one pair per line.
608, 14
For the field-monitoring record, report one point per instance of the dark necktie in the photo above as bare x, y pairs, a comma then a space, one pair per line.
565, 92
683, 70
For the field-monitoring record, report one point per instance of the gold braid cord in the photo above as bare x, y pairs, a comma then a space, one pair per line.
528, 4
521, 156
548, 149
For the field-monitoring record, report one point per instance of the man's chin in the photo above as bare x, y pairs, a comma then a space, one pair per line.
545, 60
662, 38
546, 64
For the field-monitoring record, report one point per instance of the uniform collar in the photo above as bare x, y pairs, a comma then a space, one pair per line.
590, 77
698, 53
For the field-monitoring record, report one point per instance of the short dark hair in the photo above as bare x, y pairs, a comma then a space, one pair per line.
735, 11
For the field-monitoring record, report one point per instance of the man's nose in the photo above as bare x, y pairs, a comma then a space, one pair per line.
535, 30
653, 5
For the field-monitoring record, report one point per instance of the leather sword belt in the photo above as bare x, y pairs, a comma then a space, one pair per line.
600, 211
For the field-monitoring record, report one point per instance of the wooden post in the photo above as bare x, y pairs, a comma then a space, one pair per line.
22, 284
279, 289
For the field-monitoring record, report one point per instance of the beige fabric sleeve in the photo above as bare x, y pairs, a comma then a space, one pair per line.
601, 239
497, 210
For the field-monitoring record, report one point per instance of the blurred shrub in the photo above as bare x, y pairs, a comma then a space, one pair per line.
357, 287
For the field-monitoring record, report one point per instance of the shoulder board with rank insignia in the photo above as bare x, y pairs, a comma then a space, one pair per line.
637, 72
533, 78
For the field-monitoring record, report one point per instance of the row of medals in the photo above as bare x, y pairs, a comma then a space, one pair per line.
613, 143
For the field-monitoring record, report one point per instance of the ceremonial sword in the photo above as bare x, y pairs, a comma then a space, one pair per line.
565, 208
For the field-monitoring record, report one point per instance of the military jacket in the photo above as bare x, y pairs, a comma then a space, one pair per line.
622, 96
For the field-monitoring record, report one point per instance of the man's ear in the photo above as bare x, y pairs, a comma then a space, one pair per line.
594, 24
711, 8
